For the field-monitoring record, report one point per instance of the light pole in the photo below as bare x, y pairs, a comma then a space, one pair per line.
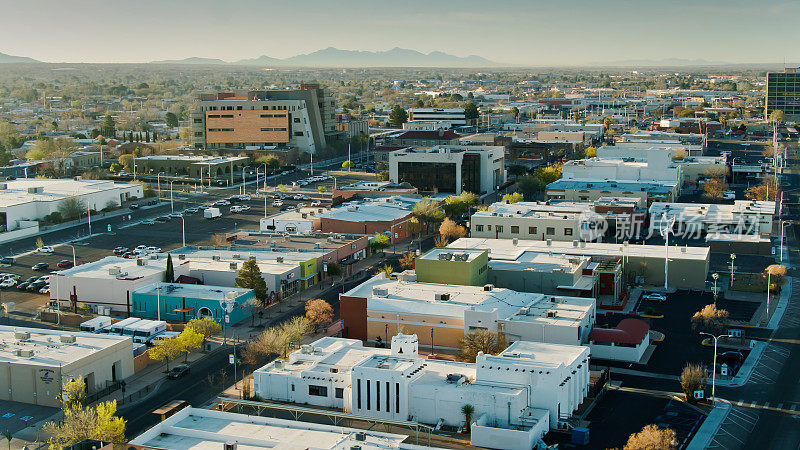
171, 204
714, 367
158, 301
158, 183
89, 213
733, 258
183, 230
715, 276
783, 224
666, 229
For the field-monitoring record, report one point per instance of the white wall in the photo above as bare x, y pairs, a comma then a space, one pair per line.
618, 353
486, 434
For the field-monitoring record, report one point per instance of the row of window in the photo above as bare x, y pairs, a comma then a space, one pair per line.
378, 395
220, 129
322, 391
531, 230
264, 108
274, 129
220, 116
273, 115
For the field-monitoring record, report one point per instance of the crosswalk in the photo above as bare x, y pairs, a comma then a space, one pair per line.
787, 407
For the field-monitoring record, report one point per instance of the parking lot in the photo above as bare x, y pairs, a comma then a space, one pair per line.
15, 416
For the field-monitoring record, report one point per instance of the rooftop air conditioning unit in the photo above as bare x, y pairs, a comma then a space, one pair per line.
515, 241
307, 349
443, 297
141, 262
317, 244
114, 270
3, 186
237, 256
583, 244
181, 257
304, 215
549, 242
461, 256
234, 266
215, 257
380, 292
22, 335
551, 313
361, 436
279, 364
445, 256
575, 243
231, 446
24, 353
488, 287
68, 338
279, 259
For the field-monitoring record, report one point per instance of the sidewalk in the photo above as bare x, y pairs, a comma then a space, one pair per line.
702, 439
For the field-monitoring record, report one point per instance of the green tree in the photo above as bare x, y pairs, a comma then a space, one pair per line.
109, 129
428, 211
189, 340
126, 161
471, 112
171, 119
57, 150
169, 273
271, 161
165, 350
379, 242
249, 277
71, 208
347, 165
321, 189
398, 116
39, 242
693, 378
468, 410
517, 171
777, 116
206, 326
514, 197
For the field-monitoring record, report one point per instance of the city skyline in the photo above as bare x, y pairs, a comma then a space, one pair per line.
571, 33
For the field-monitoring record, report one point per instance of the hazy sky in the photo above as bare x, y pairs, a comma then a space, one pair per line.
531, 32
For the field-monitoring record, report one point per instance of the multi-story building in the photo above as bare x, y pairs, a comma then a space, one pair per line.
449, 169
698, 219
455, 116
206, 167
302, 118
590, 190
532, 220
425, 138
518, 395
783, 93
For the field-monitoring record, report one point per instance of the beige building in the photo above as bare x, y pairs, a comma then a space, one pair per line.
532, 220
37, 362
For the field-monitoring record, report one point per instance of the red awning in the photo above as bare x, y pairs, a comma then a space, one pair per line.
628, 331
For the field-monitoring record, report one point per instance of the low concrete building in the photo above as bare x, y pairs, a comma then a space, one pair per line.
449, 169
370, 216
518, 395
441, 314
194, 166
365, 189
698, 219
590, 190
642, 264
195, 428
628, 341
39, 362
532, 220
183, 302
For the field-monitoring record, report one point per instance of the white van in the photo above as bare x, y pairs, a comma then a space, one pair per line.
96, 324
146, 330
120, 326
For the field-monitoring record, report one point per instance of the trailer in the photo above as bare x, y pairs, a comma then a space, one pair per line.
96, 324
119, 327
211, 213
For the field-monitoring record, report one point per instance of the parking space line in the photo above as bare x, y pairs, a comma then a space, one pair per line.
766, 404
753, 405
739, 403
793, 408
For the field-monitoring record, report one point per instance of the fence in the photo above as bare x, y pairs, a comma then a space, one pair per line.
136, 396
91, 398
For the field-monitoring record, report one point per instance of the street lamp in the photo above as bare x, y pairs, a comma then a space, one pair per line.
714, 367
783, 224
171, 204
733, 258
666, 229
183, 230
158, 183
714, 276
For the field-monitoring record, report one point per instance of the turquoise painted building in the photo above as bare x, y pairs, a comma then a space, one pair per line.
184, 302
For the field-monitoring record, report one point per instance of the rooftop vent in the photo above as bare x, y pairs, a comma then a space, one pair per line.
552, 313
380, 292
488, 287
115, 270
279, 364
237, 256
515, 241
181, 257
279, 259
22, 335
141, 262
68, 338
361, 436
24, 353
461, 256
234, 266
215, 257
445, 256
443, 297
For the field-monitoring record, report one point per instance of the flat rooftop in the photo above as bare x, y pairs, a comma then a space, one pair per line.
505, 249
542, 353
241, 254
537, 210
47, 348
115, 267
450, 254
712, 212
380, 209
195, 429
193, 291
328, 352
542, 262
610, 185
53, 190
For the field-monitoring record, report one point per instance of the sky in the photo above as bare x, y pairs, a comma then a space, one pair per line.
520, 32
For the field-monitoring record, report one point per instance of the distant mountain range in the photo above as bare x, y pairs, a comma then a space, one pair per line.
15, 59
334, 57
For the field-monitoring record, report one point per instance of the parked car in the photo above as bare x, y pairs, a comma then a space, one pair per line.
36, 285
148, 222
45, 249
120, 250
316, 203
40, 266
7, 260
244, 208
162, 219
245, 197
23, 286
236, 208
64, 264
192, 209
140, 247
277, 203
129, 255
153, 249
45, 289
31, 279
654, 297
176, 215
133, 206
7, 283
178, 372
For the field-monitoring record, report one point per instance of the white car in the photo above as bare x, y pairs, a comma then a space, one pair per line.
729, 195
236, 209
654, 297
153, 249
244, 208
245, 197
277, 203
8, 282
45, 289
45, 249
316, 203
141, 248
44, 278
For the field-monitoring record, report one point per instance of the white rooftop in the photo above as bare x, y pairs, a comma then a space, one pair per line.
106, 268
47, 348
541, 262
53, 190
541, 353
569, 210
196, 429
381, 209
194, 291
506, 249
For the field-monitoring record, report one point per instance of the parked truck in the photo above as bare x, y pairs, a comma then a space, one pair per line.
96, 324
212, 213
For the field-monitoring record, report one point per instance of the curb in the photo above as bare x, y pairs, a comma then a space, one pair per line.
705, 434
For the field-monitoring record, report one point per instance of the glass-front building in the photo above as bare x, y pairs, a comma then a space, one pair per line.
783, 93
428, 177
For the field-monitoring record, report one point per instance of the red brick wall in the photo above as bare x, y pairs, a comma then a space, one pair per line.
368, 228
353, 312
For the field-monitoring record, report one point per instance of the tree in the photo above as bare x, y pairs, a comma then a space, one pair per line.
467, 410
451, 230
39, 242
428, 211
652, 438
775, 274
296, 329
471, 112
693, 378
169, 273
271, 161
321, 189
768, 190
171, 119
488, 342
75, 393
386, 270
347, 165
249, 277
398, 116
710, 319
205, 326
717, 172
189, 340
108, 427
334, 269
590, 152
319, 312
165, 350
379, 242
777, 116
71, 208
440, 241
126, 161
517, 170
271, 341
57, 150
281, 188
530, 185
514, 197
714, 188
679, 155
407, 260
108, 129
79, 424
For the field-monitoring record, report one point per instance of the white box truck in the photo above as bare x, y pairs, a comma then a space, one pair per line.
96, 324
123, 324
212, 213
146, 330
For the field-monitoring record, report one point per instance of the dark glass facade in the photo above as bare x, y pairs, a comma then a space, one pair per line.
471, 173
783, 93
428, 177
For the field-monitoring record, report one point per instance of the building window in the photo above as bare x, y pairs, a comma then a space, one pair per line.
387, 398
338, 392
498, 228
198, 120
298, 133
478, 227
551, 230
397, 398
532, 230
567, 231
198, 134
296, 120
319, 391
292, 388
488, 228
377, 395
514, 229
358, 393
369, 397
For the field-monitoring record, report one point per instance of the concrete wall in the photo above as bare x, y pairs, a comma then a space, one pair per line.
486, 434
620, 353
462, 273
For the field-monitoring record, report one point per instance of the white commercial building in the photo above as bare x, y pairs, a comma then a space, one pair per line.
38, 362
455, 116
517, 395
532, 220
658, 167
31, 199
196, 428
699, 219
449, 169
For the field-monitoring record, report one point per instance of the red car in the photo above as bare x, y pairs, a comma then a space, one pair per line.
65, 264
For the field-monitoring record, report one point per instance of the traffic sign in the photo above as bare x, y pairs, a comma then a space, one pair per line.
231, 358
